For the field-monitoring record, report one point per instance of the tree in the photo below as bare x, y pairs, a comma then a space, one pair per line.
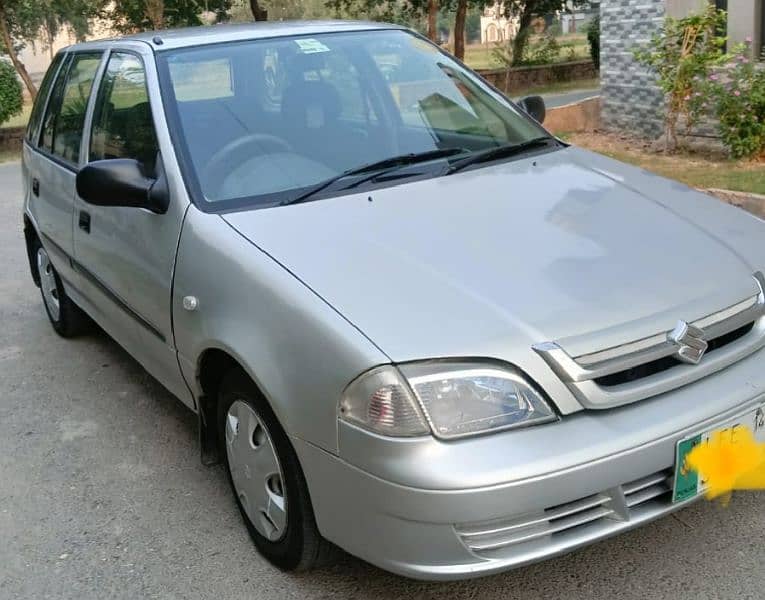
11, 101
526, 10
459, 29
129, 16
433, 20
260, 14
23, 21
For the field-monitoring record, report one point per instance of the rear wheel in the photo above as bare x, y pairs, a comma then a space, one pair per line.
266, 478
66, 317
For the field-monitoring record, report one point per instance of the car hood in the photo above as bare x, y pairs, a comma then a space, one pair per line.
568, 246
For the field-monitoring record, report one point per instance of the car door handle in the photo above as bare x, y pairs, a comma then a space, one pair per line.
84, 221
36, 186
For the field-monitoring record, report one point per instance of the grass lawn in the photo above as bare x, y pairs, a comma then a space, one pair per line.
21, 119
697, 170
7, 156
481, 56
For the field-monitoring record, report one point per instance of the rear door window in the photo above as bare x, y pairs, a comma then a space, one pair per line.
65, 117
35, 119
122, 123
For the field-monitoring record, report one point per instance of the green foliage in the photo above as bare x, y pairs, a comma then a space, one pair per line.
526, 10
279, 10
593, 39
137, 15
11, 100
405, 12
737, 96
543, 51
681, 54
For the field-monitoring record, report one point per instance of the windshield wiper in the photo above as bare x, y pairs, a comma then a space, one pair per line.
505, 151
374, 169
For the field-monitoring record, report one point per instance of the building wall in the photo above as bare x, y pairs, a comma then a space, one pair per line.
631, 100
745, 21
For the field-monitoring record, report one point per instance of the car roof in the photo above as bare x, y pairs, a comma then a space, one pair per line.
167, 39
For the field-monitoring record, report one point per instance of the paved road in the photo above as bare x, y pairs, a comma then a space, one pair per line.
564, 98
555, 100
102, 494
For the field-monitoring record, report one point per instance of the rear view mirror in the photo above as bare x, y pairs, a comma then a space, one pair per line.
121, 182
535, 107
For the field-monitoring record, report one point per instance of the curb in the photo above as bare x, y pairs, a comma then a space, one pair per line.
753, 203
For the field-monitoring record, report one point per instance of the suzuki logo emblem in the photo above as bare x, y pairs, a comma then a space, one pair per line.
690, 340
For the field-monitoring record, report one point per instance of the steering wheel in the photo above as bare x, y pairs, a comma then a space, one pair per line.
234, 153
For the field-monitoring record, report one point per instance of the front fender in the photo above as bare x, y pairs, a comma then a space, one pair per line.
296, 347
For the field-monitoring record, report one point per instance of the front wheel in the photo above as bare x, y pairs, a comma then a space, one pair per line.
66, 317
266, 478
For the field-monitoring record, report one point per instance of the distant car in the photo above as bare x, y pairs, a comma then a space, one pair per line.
411, 321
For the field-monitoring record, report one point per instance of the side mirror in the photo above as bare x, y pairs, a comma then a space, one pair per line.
122, 182
535, 107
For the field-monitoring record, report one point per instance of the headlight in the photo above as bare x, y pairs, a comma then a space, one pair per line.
451, 399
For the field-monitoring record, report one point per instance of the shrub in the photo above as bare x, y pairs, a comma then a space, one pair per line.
11, 99
682, 53
737, 96
593, 39
544, 51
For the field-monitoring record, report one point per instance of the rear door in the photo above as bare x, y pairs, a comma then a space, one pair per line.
126, 256
52, 152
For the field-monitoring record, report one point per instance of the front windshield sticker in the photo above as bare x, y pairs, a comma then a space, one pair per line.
311, 46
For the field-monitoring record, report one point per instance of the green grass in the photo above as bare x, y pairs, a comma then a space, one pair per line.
692, 169
7, 156
21, 119
481, 56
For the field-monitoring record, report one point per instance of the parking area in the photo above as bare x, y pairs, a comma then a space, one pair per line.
102, 494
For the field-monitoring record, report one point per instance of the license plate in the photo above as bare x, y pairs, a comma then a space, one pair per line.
688, 483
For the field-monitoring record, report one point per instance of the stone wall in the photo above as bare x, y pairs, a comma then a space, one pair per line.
11, 139
521, 78
631, 100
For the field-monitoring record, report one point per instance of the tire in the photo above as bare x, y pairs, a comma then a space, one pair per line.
247, 429
67, 318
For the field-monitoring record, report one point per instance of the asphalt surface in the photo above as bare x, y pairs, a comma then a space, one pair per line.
102, 494
556, 100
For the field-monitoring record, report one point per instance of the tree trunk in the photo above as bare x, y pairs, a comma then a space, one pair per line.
459, 29
5, 35
155, 12
433, 20
259, 14
524, 29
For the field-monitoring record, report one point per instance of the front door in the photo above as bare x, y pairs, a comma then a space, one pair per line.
126, 256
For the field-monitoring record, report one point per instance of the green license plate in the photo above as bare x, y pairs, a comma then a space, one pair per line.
688, 484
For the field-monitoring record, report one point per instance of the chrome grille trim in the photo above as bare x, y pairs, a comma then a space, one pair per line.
579, 372
611, 508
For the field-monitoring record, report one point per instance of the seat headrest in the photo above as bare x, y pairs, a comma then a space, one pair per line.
311, 104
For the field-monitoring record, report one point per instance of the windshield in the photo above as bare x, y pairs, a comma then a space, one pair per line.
260, 121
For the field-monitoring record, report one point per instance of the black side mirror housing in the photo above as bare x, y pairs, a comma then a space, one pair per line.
123, 182
535, 107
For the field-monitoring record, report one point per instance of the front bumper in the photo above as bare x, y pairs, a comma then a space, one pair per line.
434, 510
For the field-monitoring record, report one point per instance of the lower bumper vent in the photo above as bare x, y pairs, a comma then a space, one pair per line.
588, 517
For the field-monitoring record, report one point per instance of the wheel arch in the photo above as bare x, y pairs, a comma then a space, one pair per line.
212, 365
31, 238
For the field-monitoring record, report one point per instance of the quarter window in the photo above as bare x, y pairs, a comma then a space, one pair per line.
35, 119
122, 124
64, 122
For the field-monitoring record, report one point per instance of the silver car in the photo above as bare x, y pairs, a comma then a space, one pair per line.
413, 324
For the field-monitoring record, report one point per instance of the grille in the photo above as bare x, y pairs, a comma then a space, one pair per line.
608, 509
663, 364
649, 366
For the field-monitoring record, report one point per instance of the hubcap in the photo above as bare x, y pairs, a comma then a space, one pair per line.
48, 284
255, 471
